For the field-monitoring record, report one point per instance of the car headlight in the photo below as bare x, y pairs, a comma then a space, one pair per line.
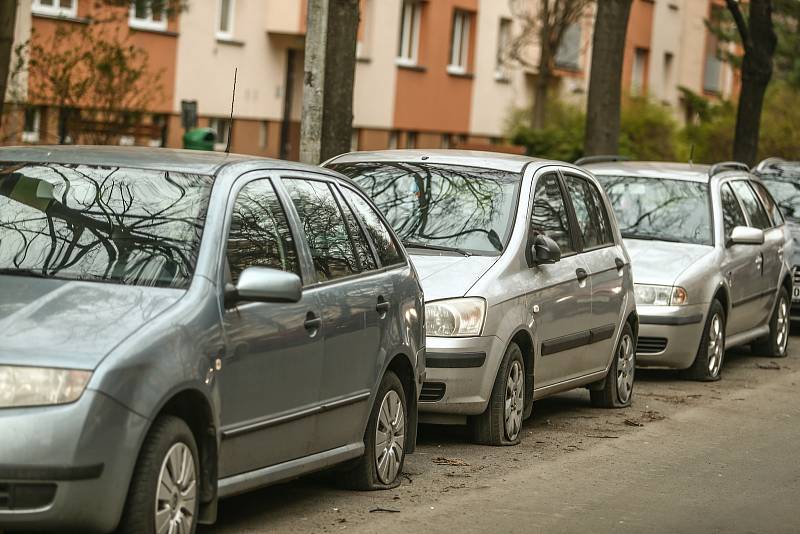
649, 295
462, 317
39, 386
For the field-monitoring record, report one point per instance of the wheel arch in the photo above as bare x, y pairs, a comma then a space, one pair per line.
723, 297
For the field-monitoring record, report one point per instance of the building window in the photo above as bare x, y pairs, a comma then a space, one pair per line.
411, 140
392, 140
408, 53
639, 71
225, 26
459, 42
127, 140
33, 119
568, 55
364, 30
222, 129
668, 62
145, 18
446, 143
503, 44
56, 8
263, 132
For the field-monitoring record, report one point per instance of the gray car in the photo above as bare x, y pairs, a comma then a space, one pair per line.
527, 284
177, 327
710, 254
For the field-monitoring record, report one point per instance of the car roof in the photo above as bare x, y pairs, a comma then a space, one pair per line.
467, 158
652, 169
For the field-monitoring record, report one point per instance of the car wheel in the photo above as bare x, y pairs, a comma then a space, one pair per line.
385, 440
774, 345
707, 364
501, 423
163, 496
617, 387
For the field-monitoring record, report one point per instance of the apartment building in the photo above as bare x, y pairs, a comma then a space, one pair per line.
429, 73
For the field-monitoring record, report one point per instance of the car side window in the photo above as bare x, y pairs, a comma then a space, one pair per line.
732, 214
387, 248
549, 215
259, 235
593, 222
769, 203
363, 249
326, 234
752, 206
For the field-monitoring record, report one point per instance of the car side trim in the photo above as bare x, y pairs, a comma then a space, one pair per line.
53, 473
665, 320
461, 360
601, 333
260, 424
751, 298
578, 339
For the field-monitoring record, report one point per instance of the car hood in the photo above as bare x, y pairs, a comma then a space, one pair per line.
661, 262
446, 276
71, 324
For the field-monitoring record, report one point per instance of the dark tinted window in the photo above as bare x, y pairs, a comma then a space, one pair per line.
786, 191
593, 223
325, 231
732, 214
363, 249
549, 216
768, 202
259, 235
388, 250
752, 206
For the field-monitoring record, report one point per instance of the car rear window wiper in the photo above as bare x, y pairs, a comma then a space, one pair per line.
429, 246
22, 272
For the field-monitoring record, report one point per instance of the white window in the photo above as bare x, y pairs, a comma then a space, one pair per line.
56, 8
145, 18
30, 133
225, 26
503, 44
639, 69
222, 128
408, 54
459, 42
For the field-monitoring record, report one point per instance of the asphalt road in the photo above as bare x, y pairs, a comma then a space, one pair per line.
686, 457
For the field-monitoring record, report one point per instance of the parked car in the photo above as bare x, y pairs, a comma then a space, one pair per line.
782, 178
527, 284
710, 254
177, 327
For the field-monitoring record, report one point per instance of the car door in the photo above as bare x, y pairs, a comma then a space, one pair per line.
353, 305
269, 381
605, 263
774, 237
560, 293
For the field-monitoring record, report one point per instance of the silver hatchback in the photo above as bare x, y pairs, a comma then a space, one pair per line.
711, 261
527, 283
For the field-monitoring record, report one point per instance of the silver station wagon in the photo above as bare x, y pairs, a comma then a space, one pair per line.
527, 284
710, 254
177, 327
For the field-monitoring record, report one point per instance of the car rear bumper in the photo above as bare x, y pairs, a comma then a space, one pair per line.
67, 468
669, 337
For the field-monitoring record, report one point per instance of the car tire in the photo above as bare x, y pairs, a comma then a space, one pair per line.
168, 455
382, 463
616, 390
774, 344
707, 365
501, 423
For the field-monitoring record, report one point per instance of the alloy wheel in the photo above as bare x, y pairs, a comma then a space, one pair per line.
716, 346
177, 492
390, 437
515, 386
626, 367
782, 336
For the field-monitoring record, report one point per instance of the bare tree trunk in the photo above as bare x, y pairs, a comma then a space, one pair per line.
540, 100
8, 18
605, 84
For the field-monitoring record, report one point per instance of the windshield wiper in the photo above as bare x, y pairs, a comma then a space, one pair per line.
22, 272
429, 246
651, 237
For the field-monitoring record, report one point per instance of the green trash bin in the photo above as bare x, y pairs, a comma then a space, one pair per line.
200, 139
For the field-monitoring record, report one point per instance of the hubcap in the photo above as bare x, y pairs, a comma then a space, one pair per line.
390, 437
716, 346
514, 400
626, 367
177, 492
782, 337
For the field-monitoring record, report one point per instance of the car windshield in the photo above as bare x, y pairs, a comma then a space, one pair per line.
104, 224
442, 207
785, 187
662, 210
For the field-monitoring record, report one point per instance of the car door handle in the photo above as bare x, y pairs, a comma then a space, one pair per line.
382, 307
619, 263
581, 274
313, 321
759, 261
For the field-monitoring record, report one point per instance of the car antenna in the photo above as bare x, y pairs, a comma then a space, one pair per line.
233, 99
691, 155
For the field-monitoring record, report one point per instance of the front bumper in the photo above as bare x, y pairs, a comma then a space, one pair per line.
669, 336
464, 370
67, 468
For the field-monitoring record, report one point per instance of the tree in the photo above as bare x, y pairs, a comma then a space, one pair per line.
544, 23
605, 84
8, 17
759, 41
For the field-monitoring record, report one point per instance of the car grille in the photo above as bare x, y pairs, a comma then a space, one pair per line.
651, 345
26, 496
432, 391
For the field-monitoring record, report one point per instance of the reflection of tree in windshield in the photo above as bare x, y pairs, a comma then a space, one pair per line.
786, 191
115, 224
666, 210
445, 205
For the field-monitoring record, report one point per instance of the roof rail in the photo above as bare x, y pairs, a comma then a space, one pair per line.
768, 163
727, 166
600, 159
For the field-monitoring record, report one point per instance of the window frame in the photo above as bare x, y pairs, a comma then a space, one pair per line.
573, 235
725, 234
410, 24
225, 35
460, 31
756, 186
744, 206
32, 136
55, 10
213, 122
564, 173
147, 23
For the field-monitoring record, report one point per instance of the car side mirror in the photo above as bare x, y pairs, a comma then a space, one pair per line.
746, 235
262, 284
544, 251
